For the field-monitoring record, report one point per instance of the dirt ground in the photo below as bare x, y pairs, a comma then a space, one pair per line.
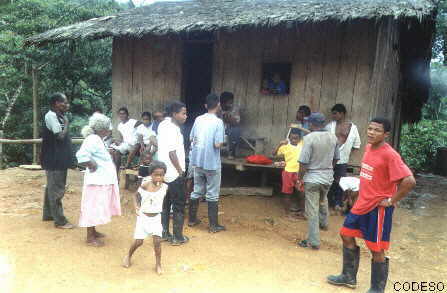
258, 252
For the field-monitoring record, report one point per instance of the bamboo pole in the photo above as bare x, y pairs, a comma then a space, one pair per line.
35, 113
31, 141
2, 166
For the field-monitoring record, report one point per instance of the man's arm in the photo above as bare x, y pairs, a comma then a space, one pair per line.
302, 171
61, 135
357, 142
219, 135
174, 160
404, 187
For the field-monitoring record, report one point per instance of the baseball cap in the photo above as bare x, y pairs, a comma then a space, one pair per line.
317, 119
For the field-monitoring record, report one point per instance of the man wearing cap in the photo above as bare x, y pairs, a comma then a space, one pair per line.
317, 159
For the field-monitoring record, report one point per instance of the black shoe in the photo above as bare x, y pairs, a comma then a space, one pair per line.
192, 217
213, 211
178, 237
166, 236
348, 277
379, 276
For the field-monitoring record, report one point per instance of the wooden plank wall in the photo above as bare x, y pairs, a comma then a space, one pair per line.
351, 63
146, 74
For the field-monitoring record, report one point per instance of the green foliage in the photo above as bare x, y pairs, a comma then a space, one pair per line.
420, 141
81, 69
436, 106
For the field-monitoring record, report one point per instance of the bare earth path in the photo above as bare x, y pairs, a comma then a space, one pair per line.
257, 253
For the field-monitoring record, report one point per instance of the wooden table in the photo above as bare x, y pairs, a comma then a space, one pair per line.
242, 165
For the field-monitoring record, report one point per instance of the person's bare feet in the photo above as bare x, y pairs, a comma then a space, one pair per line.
126, 262
99, 234
158, 270
95, 242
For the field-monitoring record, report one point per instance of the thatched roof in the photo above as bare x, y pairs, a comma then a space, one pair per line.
173, 18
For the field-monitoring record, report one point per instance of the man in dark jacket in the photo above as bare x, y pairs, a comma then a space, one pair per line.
56, 159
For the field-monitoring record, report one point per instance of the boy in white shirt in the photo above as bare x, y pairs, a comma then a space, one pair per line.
148, 207
171, 151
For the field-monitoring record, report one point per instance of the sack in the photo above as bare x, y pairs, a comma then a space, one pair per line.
259, 160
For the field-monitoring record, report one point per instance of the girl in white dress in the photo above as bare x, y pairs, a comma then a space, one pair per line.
148, 207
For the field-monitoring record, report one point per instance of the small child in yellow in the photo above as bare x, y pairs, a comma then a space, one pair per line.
290, 150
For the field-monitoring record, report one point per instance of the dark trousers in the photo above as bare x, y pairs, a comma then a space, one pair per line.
176, 198
335, 195
54, 192
234, 135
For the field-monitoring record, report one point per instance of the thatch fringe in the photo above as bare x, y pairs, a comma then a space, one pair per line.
174, 18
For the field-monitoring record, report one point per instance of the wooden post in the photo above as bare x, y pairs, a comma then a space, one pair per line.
1, 151
35, 112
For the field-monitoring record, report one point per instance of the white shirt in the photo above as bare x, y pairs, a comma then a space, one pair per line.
146, 132
170, 139
127, 130
93, 148
349, 183
353, 141
152, 202
52, 122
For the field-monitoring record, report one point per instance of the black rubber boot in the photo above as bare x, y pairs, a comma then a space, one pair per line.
379, 276
193, 208
348, 277
166, 236
177, 227
213, 209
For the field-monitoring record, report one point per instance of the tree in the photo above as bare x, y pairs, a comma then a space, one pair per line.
81, 69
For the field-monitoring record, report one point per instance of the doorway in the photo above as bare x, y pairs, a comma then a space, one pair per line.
197, 78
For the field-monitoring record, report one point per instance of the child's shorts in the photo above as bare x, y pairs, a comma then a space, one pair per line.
147, 226
289, 180
374, 227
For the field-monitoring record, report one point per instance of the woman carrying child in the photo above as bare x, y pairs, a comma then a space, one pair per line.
148, 207
100, 194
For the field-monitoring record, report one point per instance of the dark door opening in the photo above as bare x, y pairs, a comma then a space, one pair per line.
197, 78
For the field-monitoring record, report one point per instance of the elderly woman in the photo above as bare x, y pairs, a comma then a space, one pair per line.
100, 195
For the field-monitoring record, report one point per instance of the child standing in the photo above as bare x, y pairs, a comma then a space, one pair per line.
290, 150
148, 207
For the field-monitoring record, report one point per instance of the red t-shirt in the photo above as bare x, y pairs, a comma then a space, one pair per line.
381, 171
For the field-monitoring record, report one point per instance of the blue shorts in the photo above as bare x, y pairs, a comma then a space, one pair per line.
374, 227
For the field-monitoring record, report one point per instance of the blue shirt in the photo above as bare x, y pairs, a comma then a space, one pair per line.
207, 131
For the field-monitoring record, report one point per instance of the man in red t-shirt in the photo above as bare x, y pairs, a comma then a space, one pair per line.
384, 180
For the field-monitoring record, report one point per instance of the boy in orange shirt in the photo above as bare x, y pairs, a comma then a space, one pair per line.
290, 149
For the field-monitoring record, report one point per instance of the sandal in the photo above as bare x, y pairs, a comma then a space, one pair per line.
305, 244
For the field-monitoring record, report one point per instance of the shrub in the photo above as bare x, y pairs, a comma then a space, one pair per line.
420, 141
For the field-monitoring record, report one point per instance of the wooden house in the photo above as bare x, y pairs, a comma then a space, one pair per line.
372, 55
